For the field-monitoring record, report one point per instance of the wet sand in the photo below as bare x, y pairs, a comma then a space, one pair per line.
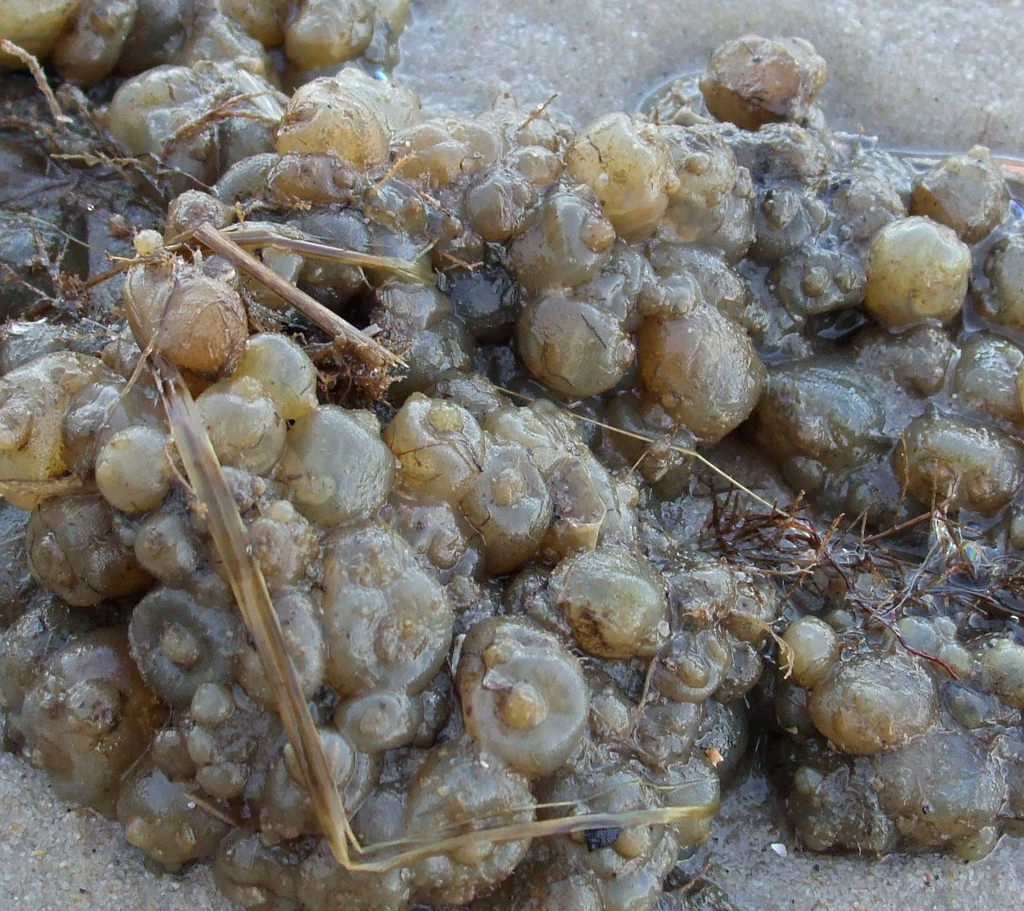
922, 75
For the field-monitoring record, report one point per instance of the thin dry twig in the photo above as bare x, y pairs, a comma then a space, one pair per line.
47, 488
416, 271
372, 352
229, 107
1013, 171
16, 50
539, 110
444, 842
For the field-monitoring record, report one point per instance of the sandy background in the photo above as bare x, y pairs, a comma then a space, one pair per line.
928, 75
931, 75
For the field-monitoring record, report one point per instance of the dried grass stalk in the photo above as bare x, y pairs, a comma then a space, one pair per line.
32, 64
415, 271
50, 487
250, 590
369, 350
407, 851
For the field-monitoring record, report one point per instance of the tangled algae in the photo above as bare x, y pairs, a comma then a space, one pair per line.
434, 510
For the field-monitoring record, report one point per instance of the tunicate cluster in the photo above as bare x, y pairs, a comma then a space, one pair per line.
88, 40
539, 567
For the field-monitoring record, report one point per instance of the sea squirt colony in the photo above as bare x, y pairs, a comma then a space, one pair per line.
509, 589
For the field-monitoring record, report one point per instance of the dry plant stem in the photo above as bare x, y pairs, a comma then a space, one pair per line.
250, 590
415, 271
273, 111
36, 70
51, 487
538, 828
370, 351
211, 809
